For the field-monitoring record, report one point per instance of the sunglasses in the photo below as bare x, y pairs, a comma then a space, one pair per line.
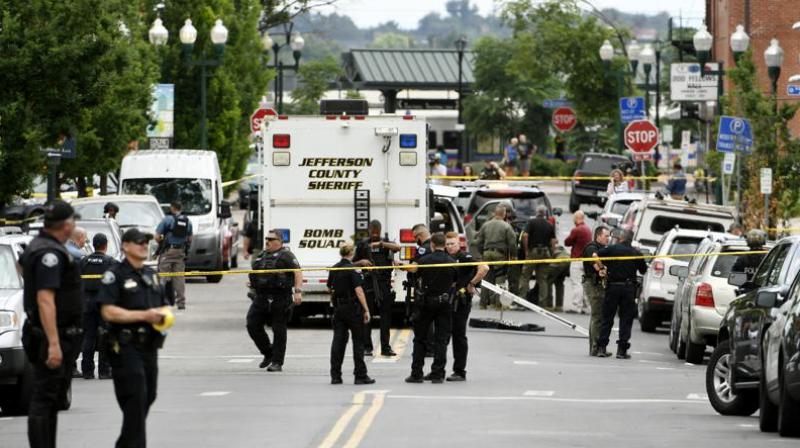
273, 239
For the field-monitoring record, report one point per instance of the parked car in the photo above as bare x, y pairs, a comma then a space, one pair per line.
15, 370
659, 284
593, 191
733, 373
446, 217
616, 206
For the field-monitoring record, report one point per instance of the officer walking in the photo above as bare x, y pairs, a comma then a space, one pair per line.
350, 313
94, 265
496, 241
539, 238
174, 234
592, 285
375, 251
434, 307
132, 299
51, 336
275, 294
468, 278
620, 293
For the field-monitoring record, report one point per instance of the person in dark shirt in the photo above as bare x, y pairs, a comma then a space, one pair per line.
95, 264
593, 287
756, 239
620, 293
538, 240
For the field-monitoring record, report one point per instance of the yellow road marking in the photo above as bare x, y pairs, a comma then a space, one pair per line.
366, 420
399, 342
344, 420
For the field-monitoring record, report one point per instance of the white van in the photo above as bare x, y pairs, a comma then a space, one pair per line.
193, 178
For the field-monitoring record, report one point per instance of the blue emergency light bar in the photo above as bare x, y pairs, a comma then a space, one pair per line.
408, 140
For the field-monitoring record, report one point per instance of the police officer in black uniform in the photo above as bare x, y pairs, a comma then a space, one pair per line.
275, 294
377, 251
620, 293
95, 264
350, 313
434, 305
52, 332
132, 299
468, 278
422, 235
756, 239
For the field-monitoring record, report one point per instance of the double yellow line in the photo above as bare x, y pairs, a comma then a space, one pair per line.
363, 425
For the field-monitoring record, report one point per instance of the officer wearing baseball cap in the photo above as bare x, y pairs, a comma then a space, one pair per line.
52, 332
132, 300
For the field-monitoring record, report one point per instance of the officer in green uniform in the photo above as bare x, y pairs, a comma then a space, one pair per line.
554, 276
496, 241
592, 285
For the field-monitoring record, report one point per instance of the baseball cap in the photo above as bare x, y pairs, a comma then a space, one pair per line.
136, 236
58, 210
99, 240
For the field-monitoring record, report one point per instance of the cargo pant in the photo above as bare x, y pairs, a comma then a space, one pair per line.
537, 253
594, 294
497, 275
172, 260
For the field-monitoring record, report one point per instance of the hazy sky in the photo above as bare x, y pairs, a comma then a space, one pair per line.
407, 12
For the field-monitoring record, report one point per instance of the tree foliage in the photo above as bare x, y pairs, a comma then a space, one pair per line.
315, 78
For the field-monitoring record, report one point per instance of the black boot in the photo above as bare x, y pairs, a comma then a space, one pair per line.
602, 353
622, 353
39, 429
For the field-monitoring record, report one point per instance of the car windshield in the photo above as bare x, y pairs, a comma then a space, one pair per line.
600, 164
525, 202
9, 276
621, 206
684, 246
131, 213
194, 194
93, 228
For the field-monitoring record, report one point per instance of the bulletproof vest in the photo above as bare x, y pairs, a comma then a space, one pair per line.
69, 304
280, 282
379, 256
180, 227
94, 264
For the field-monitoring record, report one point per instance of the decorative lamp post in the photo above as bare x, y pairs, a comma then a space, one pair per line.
740, 42
773, 57
294, 41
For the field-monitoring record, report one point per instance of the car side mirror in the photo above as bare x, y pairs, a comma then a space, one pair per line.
613, 222
592, 214
767, 299
225, 210
558, 211
737, 278
679, 271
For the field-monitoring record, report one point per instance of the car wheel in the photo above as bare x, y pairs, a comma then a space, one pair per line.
648, 322
681, 353
235, 261
695, 352
673, 337
719, 379
574, 203
788, 413
768, 412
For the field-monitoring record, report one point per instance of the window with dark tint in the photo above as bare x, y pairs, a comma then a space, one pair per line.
663, 224
526, 200
775, 270
723, 266
684, 246
602, 165
195, 194
760, 277
451, 139
620, 207
432, 140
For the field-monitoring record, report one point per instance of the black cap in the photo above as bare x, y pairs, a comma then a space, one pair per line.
58, 210
99, 240
134, 235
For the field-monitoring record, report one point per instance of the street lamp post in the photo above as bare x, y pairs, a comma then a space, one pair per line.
296, 42
461, 45
607, 56
773, 58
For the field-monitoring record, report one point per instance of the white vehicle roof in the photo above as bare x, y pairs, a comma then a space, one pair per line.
115, 199
678, 232
170, 163
446, 191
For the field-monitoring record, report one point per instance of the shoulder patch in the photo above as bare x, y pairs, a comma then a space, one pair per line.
108, 278
421, 251
50, 260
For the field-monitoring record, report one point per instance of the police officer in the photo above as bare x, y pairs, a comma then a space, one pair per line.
174, 234
620, 293
253, 239
538, 239
496, 241
51, 337
132, 299
592, 285
748, 264
350, 313
375, 251
95, 264
274, 297
468, 278
434, 307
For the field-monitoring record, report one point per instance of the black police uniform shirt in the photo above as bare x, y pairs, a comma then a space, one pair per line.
422, 250
540, 233
378, 256
465, 273
95, 264
47, 265
622, 271
588, 252
440, 280
748, 263
344, 283
131, 289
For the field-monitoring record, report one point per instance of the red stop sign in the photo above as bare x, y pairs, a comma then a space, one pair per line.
641, 136
564, 119
259, 116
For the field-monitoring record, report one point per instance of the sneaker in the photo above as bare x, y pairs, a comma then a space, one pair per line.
457, 377
336, 380
364, 380
275, 367
388, 352
414, 379
265, 362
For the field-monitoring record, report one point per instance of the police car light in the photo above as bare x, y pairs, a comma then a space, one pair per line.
385, 132
408, 140
281, 158
281, 141
408, 158
285, 235
407, 236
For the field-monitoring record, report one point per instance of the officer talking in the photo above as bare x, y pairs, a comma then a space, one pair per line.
273, 298
93, 265
174, 234
132, 300
434, 307
620, 293
350, 313
51, 336
468, 278
375, 251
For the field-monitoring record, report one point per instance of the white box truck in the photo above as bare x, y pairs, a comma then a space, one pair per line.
313, 169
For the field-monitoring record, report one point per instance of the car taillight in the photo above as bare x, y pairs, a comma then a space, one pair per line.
704, 295
467, 219
408, 253
281, 141
658, 268
407, 236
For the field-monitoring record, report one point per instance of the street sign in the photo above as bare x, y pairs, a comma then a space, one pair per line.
643, 156
556, 103
632, 109
641, 136
159, 143
564, 119
686, 83
766, 180
259, 116
66, 148
728, 163
666, 133
793, 90
735, 134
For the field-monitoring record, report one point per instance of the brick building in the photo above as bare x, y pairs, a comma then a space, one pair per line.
763, 20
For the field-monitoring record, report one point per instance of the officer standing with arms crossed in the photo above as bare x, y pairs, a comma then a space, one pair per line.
620, 293
435, 307
350, 313
132, 300
592, 285
468, 278
51, 336
95, 264
174, 234
275, 294
374, 251
496, 241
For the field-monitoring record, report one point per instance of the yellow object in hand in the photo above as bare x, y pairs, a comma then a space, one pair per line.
167, 322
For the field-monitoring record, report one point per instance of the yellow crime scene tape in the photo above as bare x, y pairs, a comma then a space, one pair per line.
236, 181
562, 178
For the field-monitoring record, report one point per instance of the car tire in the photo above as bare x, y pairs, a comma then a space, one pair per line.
673, 337
695, 352
767, 412
681, 353
719, 388
574, 203
234, 261
788, 413
648, 322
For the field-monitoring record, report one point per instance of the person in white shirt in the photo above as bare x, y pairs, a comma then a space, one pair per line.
617, 184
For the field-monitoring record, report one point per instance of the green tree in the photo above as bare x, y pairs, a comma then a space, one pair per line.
314, 79
392, 40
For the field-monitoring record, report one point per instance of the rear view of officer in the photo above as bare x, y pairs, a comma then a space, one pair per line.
95, 264
174, 234
273, 299
756, 239
51, 336
434, 307
350, 313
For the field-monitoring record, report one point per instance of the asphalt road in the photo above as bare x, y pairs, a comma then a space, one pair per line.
523, 389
